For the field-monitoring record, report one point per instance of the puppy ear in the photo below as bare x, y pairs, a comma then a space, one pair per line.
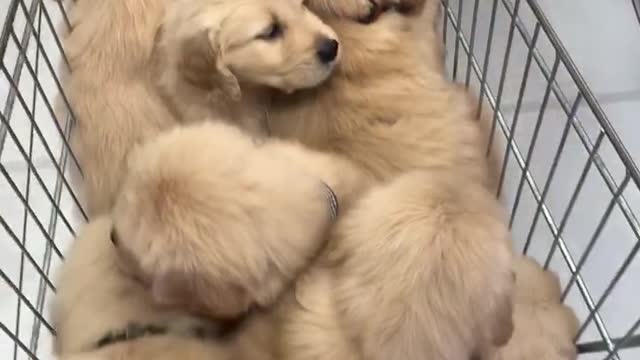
201, 64
157, 60
168, 289
228, 81
197, 294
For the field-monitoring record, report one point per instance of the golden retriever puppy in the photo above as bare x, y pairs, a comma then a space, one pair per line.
544, 327
102, 312
214, 221
421, 267
228, 45
210, 47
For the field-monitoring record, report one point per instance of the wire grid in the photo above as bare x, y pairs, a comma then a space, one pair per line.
569, 182
39, 211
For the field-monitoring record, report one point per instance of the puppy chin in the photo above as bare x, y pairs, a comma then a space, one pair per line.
310, 80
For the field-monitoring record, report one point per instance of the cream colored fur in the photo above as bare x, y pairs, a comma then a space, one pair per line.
419, 266
116, 70
110, 90
216, 222
544, 327
217, 60
96, 295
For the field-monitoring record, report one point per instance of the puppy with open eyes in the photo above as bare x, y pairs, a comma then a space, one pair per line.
129, 79
418, 266
222, 59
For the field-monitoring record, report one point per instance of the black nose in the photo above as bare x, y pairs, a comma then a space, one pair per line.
327, 50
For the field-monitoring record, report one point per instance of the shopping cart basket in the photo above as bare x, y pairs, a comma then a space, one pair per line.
570, 184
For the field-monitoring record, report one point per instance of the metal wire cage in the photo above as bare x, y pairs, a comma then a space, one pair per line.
569, 183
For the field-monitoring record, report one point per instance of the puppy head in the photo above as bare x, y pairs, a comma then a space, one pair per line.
273, 43
388, 45
212, 224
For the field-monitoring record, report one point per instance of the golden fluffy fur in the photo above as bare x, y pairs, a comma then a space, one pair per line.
110, 89
419, 266
97, 294
211, 47
544, 327
201, 225
116, 70
440, 282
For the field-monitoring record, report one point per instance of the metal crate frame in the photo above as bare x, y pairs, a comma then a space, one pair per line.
463, 51
38, 17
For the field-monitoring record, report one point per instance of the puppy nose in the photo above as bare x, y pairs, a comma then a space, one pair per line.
327, 50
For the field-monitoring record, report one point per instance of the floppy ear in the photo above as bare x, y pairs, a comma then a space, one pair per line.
169, 289
201, 64
228, 81
195, 293
157, 59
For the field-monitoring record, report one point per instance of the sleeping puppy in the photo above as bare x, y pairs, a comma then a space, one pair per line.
115, 70
103, 312
213, 221
221, 58
544, 327
134, 316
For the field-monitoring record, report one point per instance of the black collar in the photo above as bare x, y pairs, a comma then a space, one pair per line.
332, 199
213, 329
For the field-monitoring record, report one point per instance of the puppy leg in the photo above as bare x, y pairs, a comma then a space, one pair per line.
363, 10
544, 328
353, 9
423, 270
309, 328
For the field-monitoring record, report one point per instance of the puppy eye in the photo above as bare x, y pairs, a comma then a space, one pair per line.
272, 32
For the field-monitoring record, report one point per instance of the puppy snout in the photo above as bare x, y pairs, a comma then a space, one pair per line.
327, 50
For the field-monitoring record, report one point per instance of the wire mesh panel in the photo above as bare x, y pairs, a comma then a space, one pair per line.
569, 184
36, 201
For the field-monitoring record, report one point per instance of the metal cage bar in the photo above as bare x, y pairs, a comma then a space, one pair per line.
529, 36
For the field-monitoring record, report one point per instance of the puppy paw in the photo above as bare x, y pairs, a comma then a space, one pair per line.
408, 7
217, 224
360, 10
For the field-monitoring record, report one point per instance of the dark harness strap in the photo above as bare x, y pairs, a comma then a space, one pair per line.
131, 332
219, 329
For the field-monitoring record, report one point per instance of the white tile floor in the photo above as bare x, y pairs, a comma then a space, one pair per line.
603, 38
